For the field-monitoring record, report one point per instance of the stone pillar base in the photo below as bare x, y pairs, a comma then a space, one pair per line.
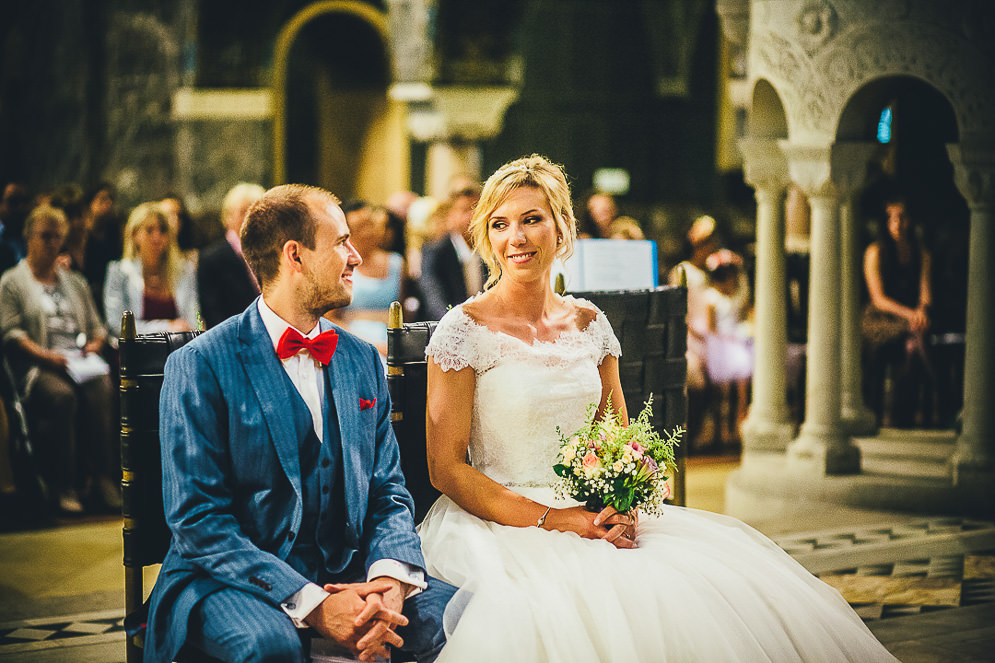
821, 455
764, 435
859, 421
970, 471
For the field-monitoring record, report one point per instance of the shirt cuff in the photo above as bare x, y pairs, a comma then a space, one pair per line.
300, 604
402, 571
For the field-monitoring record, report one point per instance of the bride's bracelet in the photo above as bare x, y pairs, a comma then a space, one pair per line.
542, 518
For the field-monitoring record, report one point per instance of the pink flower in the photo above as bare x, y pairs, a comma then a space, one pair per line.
638, 447
591, 460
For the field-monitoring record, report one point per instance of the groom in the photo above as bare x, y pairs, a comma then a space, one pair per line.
281, 477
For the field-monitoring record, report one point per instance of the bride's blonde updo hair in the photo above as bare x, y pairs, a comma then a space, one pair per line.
534, 171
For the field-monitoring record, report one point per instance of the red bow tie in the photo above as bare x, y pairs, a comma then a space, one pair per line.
321, 347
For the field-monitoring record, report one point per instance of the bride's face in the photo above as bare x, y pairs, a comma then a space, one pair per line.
522, 233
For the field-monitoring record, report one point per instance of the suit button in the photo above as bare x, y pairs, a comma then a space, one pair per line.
324, 489
325, 462
290, 536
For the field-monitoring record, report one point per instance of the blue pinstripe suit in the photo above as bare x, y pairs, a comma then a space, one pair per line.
232, 482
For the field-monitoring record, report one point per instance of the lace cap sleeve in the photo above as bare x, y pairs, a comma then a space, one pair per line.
454, 345
601, 333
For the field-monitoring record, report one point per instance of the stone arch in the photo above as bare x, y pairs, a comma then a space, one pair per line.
924, 122
767, 117
859, 116
366, 128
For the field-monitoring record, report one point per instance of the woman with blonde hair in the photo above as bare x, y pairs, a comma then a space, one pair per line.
152, 279
542, 578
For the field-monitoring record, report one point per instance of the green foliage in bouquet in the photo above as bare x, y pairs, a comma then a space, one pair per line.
606, 463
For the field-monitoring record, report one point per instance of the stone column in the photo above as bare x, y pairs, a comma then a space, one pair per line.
973, 462
849, 169
453, 120
823, 446
768, 427
446, 159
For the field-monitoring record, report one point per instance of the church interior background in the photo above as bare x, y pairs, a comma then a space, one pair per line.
780, 118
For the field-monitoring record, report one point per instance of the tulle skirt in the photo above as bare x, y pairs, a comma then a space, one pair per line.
700, 587
728, 358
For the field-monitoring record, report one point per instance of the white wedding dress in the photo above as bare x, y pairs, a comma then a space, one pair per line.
700, 586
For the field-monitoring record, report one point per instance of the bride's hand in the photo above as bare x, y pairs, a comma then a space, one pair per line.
616, 528
621, 526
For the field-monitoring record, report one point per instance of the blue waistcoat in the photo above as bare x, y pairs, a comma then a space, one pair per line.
317, 552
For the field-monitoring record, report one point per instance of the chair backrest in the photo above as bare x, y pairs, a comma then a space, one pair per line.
651, 326
146, 535
406, 378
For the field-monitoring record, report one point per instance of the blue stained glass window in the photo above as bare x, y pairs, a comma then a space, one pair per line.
884, 126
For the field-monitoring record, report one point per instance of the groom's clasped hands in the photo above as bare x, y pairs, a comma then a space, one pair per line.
362, 616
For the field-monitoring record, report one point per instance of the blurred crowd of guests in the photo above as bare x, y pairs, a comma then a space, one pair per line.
72, 264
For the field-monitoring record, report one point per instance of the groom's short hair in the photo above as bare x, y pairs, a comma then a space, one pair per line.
281, 215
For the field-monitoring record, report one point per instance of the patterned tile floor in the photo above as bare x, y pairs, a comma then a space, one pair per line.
882, 590
926, 586
58, 633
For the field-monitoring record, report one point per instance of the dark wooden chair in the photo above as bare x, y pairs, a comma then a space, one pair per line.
406, 378
146, 535
651, 326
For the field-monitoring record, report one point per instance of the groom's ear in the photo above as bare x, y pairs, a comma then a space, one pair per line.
292, 254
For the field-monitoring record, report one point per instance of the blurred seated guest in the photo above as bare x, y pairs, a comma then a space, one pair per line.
424, 226
450, 270
71, 199
14, 209
377, 281
53, 335
225, 283
104, 239
728, 343
625, 227
152, 280
183, 227
701, 243
399, 203
895, 321
597, 215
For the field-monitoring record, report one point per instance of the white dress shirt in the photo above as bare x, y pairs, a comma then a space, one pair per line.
304, 372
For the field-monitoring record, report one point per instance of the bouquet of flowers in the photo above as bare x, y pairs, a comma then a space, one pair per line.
608, 464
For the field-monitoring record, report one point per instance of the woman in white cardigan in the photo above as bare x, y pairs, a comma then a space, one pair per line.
152, 280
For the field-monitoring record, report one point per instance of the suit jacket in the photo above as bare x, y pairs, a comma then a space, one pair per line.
124, 290
232, 478
223, 282
442, 282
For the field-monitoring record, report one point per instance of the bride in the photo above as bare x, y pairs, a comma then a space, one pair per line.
543, 579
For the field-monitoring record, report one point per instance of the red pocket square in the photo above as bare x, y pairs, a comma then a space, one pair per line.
365, 404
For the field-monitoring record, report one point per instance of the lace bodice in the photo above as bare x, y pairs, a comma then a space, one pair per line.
523, 392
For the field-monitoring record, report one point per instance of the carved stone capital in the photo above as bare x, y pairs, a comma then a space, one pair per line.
734, 16
410, 24
764, 165
974, 171
467, 113
810, 168
848, 163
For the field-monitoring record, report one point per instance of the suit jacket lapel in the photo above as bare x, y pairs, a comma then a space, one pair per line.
264, 371
343, 395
